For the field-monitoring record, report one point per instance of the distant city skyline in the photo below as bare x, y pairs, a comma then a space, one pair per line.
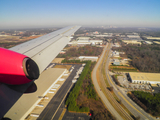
51, 13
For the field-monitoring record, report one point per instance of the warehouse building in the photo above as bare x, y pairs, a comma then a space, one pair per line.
92, 58
83, 38
144, 78
132, 42
86, 42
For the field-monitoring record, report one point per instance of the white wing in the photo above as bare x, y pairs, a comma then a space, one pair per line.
44, 49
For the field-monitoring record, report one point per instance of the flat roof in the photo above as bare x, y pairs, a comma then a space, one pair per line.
156, 42
26, 102
145, 76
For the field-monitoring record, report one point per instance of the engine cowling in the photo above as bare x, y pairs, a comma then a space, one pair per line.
16, 68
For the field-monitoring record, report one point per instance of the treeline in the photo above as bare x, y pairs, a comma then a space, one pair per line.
154, 33
71, 100
145, 58
83, 97
87, 86
149, 102
82, 51
116, 80
150, 31
71, 61
10, 44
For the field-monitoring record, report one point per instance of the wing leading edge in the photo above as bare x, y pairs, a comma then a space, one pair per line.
44, 49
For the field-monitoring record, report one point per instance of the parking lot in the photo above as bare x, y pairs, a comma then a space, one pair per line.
132, 86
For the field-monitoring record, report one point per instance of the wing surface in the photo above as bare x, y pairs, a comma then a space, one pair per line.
42, 50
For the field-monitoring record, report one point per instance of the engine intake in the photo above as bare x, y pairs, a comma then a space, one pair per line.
16, 68
30, 69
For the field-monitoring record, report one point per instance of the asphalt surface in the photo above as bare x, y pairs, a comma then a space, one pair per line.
76, 116
156, 89
100, 93
9, 94
54, 108
127, 102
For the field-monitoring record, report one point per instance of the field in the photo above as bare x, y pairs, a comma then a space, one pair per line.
63, 66
11, 41
57, 60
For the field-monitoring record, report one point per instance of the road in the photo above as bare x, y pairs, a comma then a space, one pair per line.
127, 102
100, 93
52, 111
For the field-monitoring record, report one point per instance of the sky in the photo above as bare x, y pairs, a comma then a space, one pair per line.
50, 13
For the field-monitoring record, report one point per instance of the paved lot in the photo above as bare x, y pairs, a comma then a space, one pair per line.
156, 89
28, 101
126, 84
76, 116
53, 107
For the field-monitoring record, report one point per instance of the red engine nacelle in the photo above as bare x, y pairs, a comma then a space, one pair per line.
16, 68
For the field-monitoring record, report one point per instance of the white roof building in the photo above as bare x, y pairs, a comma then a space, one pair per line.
152, 78
86, 42
148, 42
92, 58
83, 38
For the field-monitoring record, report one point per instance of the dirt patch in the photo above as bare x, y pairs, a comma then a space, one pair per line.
63, 66
57, 60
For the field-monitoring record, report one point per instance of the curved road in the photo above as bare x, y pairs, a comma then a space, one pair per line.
100, 93
128, 103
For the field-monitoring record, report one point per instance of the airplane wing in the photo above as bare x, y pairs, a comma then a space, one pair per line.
44, 49
36, 53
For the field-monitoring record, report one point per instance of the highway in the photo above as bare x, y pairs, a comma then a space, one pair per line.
100, 93
109, 95
127, 102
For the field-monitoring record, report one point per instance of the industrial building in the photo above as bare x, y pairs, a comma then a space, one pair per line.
132, 42
115, 54
115, 45
86, 42
156, 42
133, 36
116, 62
92, 58
83, 38
148, 42
144, 78
153, 38
109, 35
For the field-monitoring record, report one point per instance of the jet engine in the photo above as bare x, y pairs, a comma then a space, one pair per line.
16, 68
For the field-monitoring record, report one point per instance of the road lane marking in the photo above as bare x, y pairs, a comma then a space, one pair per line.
130, 103
55, 99
62, 101
62, 114
124, 97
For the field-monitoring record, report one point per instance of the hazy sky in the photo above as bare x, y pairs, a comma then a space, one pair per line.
45, 13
